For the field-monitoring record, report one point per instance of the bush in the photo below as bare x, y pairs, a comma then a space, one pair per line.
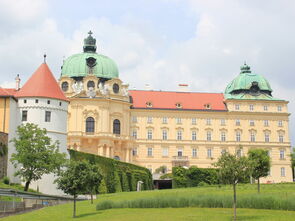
6, 180
102, 189
118, 176
193, 176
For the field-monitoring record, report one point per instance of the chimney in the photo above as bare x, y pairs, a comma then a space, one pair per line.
17, 82
183, 88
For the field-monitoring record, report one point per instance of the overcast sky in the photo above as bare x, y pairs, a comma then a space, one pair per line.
157, 42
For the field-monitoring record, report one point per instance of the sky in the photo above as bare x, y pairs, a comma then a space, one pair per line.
158, 42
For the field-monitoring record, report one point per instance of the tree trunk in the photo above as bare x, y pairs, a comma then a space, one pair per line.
235, 203
74, 212
91, 195
258, 185
27, 185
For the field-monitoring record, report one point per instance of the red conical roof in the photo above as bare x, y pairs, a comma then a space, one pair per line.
42, 84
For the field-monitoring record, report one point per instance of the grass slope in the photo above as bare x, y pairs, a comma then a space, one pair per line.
87, 211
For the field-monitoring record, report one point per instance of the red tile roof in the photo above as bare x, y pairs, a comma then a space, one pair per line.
187, 100
7, 92
42, 84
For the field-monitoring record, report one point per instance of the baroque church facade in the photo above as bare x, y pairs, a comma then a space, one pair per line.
168, 128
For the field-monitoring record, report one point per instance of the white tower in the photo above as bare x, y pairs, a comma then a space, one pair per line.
41, 101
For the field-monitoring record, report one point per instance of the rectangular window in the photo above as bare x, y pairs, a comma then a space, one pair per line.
252, 137
265, 108
222, 122
282, 154
239, 152
25, 101
134, 151
194, 135
266, 123
150, 151
208, 121
266, 138
209, 153
150, 134
164, 134
223, 151
209, 136
194, 152
48, 101
251, 122
179, 135
149, 120
24, 115
134, 134
36, 101
164, 120
134, 119
238, 123
179, 152
194, 121
280, 123
279, 108
251, 107
165, 151
238, 136
283, 172
178, 120
281, 138
47, 116
237, 107
223, 137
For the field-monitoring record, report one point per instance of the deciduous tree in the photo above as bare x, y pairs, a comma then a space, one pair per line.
232, 170
36, 154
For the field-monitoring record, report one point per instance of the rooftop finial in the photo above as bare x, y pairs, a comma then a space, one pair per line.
44, 58
89, 43
245, 68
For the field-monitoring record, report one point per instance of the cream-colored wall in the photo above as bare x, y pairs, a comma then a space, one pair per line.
201, 144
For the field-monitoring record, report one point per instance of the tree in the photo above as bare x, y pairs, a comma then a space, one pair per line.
3, 153
292, 156
162, 169
259, 163
35, 155
74, 179
232, 170
93, 180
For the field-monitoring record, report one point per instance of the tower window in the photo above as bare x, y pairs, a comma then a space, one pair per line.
90, 84
90, 125
36, 101
47, 116
65, 86
48, 101
25, 101
116, 127
251, 107
24, 115
237, 107
279, 108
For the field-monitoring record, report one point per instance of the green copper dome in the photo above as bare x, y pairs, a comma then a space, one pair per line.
248, 85
89, 62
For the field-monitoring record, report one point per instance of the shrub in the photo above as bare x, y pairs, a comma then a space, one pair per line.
102, 189
6, 180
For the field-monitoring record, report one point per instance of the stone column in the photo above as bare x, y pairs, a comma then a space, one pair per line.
100, 150
107, 151
127, 155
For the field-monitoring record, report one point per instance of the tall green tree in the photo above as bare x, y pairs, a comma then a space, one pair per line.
292, 156
232, 170
36, 154
259, 163
73, 179
3, 154
93, 181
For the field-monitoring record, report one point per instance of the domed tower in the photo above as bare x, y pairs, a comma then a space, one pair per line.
248, 85
99, 104
42, 102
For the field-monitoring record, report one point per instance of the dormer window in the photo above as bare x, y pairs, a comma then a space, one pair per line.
149, 104
207, 106
178, 105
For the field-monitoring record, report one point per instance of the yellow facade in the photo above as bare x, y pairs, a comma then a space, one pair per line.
190, 137
4, 114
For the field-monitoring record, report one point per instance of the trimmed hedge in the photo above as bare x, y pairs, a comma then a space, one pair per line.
193, 176
118, 176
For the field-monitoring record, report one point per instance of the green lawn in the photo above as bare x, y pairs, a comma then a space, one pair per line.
87, 211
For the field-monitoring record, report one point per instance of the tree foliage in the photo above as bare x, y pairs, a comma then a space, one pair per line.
232, 170
259, 164
36, 154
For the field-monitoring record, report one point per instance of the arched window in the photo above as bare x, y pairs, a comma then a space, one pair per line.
116, 127
90, 84
90, 125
